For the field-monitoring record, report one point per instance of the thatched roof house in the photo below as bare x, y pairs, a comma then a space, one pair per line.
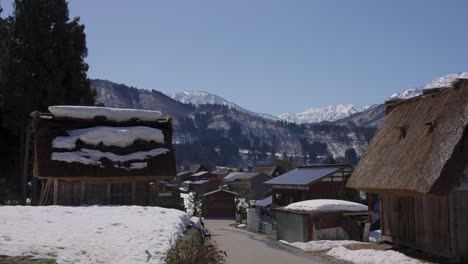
418, 162
91, 154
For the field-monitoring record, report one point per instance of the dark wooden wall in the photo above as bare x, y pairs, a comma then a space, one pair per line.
435, 224
222, 204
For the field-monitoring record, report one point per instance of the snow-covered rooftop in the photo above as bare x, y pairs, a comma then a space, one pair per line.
326, 205
112, 114
96, 234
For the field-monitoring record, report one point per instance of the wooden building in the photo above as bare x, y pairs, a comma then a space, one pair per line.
418, 163
99, 155
270, 170
326, 220
201, 186
222, 204
249, 185
309, 182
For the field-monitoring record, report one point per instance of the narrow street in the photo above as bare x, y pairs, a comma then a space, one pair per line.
244, 247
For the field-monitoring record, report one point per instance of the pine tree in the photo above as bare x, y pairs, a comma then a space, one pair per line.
48, 66
45, 67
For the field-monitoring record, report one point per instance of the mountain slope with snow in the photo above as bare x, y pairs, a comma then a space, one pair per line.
316, 115
201, 97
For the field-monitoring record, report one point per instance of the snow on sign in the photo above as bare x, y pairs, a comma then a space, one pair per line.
96, 234
112, 114
326, 205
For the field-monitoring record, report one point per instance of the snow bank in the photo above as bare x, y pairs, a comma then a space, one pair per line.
195, 221
96, 234
324, 205
320, 244
369, 256
92, 157
112, 114
109, 136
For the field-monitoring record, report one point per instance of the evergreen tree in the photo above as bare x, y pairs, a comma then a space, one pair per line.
48, 66
44, 66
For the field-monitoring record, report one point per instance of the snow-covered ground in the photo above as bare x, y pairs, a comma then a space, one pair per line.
370, 256
95, 234
337, 250
320, 244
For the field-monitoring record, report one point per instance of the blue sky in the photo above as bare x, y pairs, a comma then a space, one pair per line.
275, 56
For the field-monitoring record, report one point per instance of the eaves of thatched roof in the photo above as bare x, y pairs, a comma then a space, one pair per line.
421, 146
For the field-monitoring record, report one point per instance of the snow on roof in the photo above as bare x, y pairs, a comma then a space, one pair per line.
112, 114
109, 136
92, 157
304, 175
116, 234
200, 173
326, 205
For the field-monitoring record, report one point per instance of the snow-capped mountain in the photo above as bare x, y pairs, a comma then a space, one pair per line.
444, 81
316, 115
202, 97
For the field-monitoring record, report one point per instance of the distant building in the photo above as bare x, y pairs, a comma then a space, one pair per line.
309, 182
203, 175
184, 176
198, 168
201, 186
249, 185
270, 170
417, 162
221, 203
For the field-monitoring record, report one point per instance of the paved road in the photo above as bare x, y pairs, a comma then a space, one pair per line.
244, 247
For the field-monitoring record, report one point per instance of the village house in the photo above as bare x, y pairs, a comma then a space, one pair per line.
203, 175
200, 186
418, 164
249, 185
183, 176
99, 155
198, 168
309, 182
270, 170
221, 203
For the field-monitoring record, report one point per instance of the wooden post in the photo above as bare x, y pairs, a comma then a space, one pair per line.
133, 191
156, 192
108, 193
34, 191
83, 191
55, 192
24, 176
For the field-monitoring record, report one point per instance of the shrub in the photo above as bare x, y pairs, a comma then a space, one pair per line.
191, 249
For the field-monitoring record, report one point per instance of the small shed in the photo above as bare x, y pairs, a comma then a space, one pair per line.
418, 163
309, 182
321, 219
100, 155
222, 204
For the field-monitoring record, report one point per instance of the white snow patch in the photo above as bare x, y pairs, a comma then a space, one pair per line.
318, 245
326, 205
96, 234
369, 256
109, 136
112, 114
375, 236
92, 157
196, 222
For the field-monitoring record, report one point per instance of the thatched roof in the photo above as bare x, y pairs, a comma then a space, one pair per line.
421, 146
137, 158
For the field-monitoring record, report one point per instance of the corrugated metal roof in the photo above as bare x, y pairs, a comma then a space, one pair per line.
303, 175
265, 202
